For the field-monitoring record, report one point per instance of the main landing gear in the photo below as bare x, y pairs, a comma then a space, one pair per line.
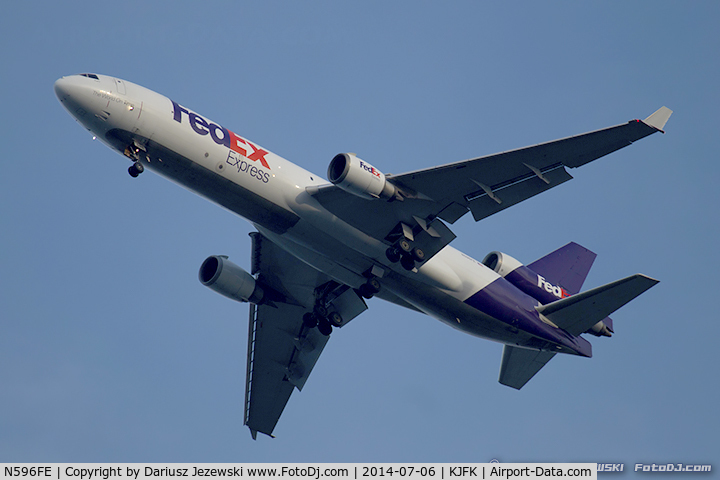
370, 288
336, 304
323, 320
405, 253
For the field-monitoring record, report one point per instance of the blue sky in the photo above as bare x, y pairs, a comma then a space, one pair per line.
113, 351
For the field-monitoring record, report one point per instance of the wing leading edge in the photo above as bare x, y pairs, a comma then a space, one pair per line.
489, 184
484, 185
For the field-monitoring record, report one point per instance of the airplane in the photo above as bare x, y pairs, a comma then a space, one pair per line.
322, 248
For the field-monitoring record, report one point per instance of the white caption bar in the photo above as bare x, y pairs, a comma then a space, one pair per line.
296, 471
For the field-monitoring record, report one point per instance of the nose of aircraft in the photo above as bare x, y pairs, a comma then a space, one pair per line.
60, 88
70, 88
63, 87
75, 94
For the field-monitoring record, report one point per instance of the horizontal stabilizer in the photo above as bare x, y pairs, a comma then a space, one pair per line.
659, 118
576, 314
519, 365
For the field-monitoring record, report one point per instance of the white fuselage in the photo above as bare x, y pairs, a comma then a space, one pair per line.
273, 194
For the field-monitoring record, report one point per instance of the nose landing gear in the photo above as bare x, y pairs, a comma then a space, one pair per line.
132, 151
136, 169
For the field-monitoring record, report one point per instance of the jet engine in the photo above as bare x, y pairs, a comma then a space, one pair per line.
358, 177
604, 328
536, 286
226, 278
524, 278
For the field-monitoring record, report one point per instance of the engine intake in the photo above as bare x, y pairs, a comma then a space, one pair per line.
226, 278
358, 177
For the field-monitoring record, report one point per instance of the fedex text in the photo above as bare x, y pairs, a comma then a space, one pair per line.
243, 166
369, 168
550, 288
221, 135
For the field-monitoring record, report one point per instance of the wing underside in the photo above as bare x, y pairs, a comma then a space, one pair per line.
281, 354
483, 186
282, 351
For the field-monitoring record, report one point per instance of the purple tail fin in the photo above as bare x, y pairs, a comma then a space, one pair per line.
567, 266
552, 278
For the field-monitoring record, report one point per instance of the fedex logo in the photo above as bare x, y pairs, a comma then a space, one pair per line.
370, 168
221, 135
550, 288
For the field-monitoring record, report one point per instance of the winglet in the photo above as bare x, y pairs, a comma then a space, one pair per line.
659, 118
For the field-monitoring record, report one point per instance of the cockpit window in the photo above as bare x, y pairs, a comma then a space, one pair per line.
90, 75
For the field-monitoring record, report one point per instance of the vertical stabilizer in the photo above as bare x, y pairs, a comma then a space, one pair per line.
567, 266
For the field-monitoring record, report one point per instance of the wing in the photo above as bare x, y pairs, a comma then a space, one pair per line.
483, 186
519, 365
281, 350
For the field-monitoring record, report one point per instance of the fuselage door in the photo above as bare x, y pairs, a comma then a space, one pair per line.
120, 85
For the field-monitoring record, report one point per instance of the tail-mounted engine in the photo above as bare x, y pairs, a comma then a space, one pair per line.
524, 278
358, 177
536, 285
226, 278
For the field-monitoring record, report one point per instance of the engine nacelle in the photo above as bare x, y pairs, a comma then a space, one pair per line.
358, 177
536, 286
524, 278
226, 278
604, 328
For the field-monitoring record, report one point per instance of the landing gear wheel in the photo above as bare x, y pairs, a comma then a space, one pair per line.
324, 326
335, 319
366, 291
418, 254
320, 311
136, 169
407, 262
310, 320
392, 254
370, 288
374, 284
404, 245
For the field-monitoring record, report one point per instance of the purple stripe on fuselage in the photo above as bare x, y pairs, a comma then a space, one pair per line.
505, 302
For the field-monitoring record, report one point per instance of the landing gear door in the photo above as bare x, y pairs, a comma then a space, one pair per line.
349, 305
